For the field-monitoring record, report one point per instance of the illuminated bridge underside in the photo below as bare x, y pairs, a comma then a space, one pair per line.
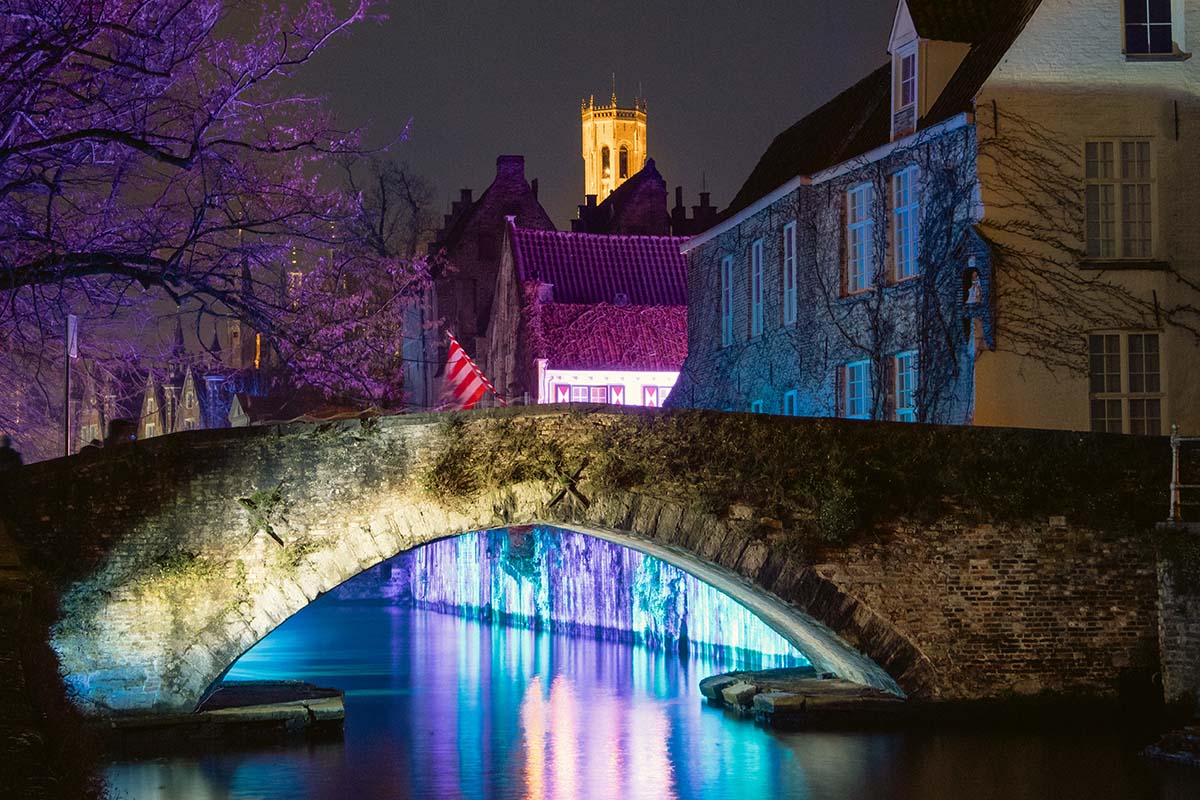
175, 555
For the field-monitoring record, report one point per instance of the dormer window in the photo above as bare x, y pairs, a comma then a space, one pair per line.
904, 91
1148, 30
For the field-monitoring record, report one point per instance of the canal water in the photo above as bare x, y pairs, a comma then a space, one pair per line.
445, 706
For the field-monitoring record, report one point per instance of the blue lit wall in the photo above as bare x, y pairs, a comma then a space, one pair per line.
570, 582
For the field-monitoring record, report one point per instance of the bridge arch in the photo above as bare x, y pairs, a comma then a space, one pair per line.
174, 555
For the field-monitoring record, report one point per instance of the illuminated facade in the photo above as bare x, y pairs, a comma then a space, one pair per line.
614, 144
588, 318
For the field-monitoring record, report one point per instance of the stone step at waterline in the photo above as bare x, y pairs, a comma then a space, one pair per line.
800, 698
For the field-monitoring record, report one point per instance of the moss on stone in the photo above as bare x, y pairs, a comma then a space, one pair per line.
266, 508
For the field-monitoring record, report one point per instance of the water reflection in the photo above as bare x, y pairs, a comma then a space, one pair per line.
444, 707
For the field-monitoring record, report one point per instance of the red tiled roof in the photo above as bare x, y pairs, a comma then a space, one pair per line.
591, 268
604, 336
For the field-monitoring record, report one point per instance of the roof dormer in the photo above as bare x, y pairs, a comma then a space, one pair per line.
921, 68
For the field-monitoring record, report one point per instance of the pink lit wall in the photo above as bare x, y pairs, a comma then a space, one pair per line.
618, 387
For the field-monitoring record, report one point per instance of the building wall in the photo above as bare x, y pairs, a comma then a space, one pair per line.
831, 329
1067, 75
473, 247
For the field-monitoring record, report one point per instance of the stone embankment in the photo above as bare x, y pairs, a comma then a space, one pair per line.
801, 698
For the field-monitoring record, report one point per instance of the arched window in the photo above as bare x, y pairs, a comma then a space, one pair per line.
623, 162
605, 161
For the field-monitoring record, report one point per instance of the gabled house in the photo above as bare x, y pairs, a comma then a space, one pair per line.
990, 228
587, 318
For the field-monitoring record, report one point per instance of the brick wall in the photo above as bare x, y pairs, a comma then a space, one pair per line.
1179, 638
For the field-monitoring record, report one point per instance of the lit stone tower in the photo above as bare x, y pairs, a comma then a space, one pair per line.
614, 144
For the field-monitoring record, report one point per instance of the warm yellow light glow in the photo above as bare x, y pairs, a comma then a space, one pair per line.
257, 349
614, 145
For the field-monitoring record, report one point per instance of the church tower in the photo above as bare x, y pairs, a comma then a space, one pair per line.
614, 144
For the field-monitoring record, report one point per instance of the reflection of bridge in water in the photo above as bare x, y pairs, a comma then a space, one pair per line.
176, 555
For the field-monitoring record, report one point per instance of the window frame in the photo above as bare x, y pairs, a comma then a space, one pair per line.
1124, 395
913, 209
864, 228
790, 306
1118, 182
726, 301
905, 412
910, 50
756, 407
791, 403
847, 382
1173, 26
756, 288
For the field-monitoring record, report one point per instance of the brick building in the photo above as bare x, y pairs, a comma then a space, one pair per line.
588, 318
992, 227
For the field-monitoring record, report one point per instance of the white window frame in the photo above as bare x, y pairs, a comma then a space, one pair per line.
726, 301
906, 216
1106, 194
1124, 394
899, 84
860, 238
756, 407
789, 274
791, 403
756, 288
856, 374
905, 388
1174, 24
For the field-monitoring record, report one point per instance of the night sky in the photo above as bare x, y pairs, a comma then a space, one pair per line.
480, 79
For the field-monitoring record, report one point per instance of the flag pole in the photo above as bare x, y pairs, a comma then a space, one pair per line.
72, 350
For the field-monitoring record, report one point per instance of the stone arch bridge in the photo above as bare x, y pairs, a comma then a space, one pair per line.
936, 563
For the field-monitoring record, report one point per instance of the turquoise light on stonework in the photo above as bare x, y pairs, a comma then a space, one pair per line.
571, 582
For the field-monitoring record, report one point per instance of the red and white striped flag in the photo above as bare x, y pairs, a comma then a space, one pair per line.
465, 384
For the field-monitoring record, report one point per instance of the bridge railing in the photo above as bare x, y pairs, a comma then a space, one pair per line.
1178, 487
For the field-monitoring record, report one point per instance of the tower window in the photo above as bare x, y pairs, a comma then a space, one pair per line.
605, 161
623, 162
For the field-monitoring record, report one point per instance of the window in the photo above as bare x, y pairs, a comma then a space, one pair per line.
151, 429
756, 407
605, 162
189, 401
906, 386
857, 382
1148, 27
904, 109
1125, 383
623, 162
905, 208
756, 288
789, 274
860, 233
1118, 199
791, 404
727, 301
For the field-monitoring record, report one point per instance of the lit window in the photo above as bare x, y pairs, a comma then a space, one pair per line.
1118, 209
756, 407
623, 162
860, 234
580, 394
756, 288
905, 213
727, 301
605, 160
906, 386
1148, 27
1125, 383
857, 382
791, 404
789, 273
151, 429
599, 394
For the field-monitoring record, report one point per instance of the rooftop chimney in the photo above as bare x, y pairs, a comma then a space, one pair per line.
511, 167
464, 196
